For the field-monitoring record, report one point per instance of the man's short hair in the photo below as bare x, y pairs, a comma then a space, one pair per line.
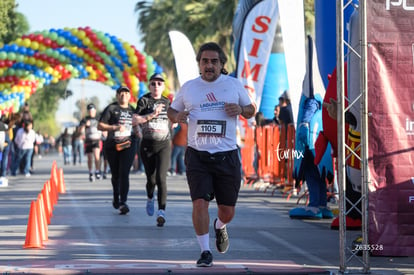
211, 46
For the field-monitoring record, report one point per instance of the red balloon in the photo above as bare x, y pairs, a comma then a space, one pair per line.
47, 41
39, 38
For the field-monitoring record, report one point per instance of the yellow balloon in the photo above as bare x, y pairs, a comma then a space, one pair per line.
19, 41
39, 63
86, 41
80, 53
133, 60
34, 45
92, 76
81, 34
100, 67
26, 42
49, 70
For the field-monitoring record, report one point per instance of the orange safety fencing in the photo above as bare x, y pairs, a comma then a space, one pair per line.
268, 156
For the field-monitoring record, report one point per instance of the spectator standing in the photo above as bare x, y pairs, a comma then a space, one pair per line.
65, 140
156, 145
179, 144
24, 140
276, 112
285, 113
77, 145
4, 152
38, 145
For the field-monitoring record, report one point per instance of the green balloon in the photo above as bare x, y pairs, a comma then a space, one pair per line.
110, 48
3, 55
62, 58
11, 71
55, 54
19, 73
20, 58
53, 36
61, 41
11, 56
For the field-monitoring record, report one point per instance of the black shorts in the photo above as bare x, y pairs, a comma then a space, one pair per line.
212, 176
90, 145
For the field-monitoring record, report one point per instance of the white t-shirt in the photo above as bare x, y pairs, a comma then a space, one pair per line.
209, 127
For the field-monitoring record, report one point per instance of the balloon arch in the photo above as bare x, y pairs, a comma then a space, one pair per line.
35, 60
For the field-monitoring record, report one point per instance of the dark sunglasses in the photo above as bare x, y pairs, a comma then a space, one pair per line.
157, 83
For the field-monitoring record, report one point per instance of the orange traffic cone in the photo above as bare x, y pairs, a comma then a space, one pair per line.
52, 191
54, 173
42, 217
47, 203
33, 237
61, 186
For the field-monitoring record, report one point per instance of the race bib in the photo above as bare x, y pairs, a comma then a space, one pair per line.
215, 128
126, 133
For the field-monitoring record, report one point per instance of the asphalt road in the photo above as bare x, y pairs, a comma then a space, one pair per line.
87, 236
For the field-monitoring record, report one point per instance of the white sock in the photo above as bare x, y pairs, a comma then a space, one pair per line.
203, 241
219, 224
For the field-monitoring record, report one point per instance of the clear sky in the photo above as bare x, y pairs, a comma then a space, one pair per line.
116, 17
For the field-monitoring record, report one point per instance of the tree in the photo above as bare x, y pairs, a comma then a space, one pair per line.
44, 104
13, 24
200, 20
309, 10
82, 103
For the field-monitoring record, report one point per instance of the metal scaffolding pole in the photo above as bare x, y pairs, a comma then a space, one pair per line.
361, 52
341, 131
364, 131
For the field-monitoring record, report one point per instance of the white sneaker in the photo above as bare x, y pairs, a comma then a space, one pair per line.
160, 218
4, 182
27, 175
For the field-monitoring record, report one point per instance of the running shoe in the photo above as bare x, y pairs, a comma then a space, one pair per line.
150, 207
206, 259
91, 178
222, 239
160, 218
115, 204
98, 175
123, 209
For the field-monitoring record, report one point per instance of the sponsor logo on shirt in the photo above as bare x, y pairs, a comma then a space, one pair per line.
212, 104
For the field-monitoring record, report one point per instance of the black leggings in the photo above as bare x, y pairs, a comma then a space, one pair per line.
156, 157
120, 164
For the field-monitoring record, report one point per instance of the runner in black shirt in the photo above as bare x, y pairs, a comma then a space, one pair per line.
156, 146
119, 119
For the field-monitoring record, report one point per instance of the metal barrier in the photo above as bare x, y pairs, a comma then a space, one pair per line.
267, 157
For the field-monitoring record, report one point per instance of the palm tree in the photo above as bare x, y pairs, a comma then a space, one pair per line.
200, 20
